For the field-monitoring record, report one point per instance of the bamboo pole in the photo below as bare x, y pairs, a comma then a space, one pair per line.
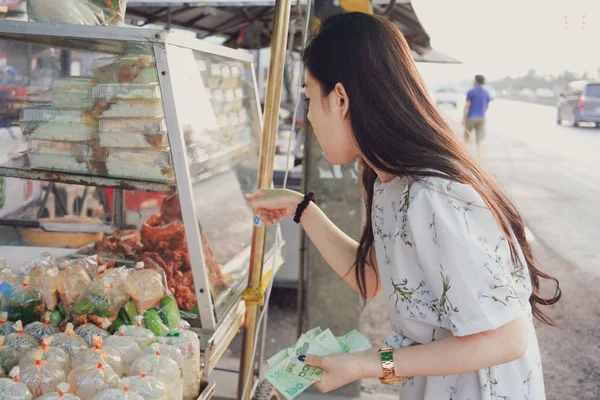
265, 179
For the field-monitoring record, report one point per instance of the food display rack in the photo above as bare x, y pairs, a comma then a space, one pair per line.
209, 178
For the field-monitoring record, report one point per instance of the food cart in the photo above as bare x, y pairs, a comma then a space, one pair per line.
155, 111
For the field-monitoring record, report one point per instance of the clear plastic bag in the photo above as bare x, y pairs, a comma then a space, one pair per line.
127, 347
6, 326
118, 394
89, 380
61, 394
72, 280
162, 367
69, 341
25, 302
42, 273
149, 387
42, 377
88, 331
100, 354
13, 389
81, 12
116, 277
9, 357
19, 340
101, 302
39, 330
50, 354
189, 344
172, 352
142, 336
147, 287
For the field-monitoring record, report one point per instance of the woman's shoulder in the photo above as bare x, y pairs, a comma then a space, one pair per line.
436, 190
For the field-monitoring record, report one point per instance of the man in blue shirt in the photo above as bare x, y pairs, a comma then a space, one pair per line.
478, 100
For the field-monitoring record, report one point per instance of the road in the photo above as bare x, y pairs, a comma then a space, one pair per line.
552, 174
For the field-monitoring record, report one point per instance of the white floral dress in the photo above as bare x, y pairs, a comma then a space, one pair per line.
446, 269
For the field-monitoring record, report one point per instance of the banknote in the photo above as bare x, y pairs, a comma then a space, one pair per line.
287, 384
354, 341
277, 358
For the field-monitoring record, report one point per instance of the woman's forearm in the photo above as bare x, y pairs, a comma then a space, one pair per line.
455, 355
337, 248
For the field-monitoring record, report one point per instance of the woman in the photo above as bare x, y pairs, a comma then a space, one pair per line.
441, 241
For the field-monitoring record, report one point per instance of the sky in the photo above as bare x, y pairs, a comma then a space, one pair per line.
508, 37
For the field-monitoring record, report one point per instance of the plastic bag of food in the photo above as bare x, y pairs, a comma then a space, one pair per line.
127, 347
117, 277
50, 354
72, 280
19, 340
118, 394
42, 377
149, 387
101, 302
189, 344
24, 302
147, 287
100, 354
88, 331
81, 12
8, 280
9, 357
42, 272
6, 326
13, 389
172, 352
69, 341
89, 380
162, 367
142, 336
61, 394
39, 330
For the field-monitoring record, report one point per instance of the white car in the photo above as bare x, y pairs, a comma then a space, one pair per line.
447, 95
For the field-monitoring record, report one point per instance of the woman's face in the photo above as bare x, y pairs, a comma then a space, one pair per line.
330, 119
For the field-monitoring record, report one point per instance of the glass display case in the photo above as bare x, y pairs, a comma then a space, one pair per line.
142, 110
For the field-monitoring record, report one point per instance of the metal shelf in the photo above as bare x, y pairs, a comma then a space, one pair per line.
19, 168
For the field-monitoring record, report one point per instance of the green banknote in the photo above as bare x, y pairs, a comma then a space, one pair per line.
287, 384
277, 358
354, 341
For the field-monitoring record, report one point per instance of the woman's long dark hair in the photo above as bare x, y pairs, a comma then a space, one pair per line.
400, 131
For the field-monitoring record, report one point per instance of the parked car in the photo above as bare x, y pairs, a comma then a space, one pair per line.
579, 103
447, 95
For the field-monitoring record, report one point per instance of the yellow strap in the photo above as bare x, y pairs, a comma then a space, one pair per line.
256, 297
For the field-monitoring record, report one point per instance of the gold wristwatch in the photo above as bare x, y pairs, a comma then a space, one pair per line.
387, 362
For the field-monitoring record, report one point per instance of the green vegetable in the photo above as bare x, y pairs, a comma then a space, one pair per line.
130, 311
170, 312
154, 323
61, 310
94, 304
124, 318
55, 318
116, 325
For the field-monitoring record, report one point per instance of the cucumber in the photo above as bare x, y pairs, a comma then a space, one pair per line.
55, 318
170, 312
154, 323
117, 324
124, 317
130, 311
61, 310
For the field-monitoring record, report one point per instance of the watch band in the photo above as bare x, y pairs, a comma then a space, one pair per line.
389, 373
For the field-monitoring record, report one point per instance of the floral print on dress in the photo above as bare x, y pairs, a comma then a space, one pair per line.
446, 269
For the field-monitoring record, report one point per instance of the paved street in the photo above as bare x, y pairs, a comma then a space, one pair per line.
551, 172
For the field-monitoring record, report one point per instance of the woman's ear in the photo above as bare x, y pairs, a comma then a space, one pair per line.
342, 100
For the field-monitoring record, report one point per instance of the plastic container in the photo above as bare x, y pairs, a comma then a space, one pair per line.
127, 347
59, 156
149, 387
72, 93
42, 377
136, 69
137, 133
62, 393
127, 101
69, 341
89, 380
13, 389
100, 354
139, 164
49, 123
51, 354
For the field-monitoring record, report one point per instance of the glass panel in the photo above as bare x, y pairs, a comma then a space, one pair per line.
222, 132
